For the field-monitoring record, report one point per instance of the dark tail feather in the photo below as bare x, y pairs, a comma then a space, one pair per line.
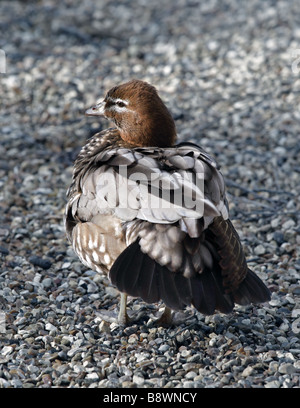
184, 288
251, 290
224, 302
204, 298
167, 287
208, 293
136, 274
123, 272
148, 283
239, 282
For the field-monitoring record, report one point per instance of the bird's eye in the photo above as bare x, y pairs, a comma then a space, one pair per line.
121, 104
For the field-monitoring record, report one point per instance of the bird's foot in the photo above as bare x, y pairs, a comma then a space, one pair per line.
166, 319
170, 318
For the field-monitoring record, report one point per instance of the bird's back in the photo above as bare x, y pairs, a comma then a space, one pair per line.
157, 220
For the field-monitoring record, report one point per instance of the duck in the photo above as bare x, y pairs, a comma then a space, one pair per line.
152, 214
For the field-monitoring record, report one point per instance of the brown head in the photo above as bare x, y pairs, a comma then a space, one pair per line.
138, 112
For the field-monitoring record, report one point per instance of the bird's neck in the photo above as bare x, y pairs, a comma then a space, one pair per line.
150, 134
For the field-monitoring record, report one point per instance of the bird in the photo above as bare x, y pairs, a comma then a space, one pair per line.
152, 214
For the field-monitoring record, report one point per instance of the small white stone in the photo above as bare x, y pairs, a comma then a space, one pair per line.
273, 384
47, 282
138, 379
247, 371
287, 368
50, 327
6, 350
92, 376
288, 224
259, 250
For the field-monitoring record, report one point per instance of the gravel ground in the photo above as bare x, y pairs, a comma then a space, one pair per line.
229, 73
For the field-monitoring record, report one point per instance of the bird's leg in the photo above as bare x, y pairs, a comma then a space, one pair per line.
123, 318
165, 319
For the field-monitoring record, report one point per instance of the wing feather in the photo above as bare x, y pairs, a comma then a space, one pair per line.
155, 185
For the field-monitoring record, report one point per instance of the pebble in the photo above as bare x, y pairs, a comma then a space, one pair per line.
247, 371
286, 368
38, 261
92, 377
50, 327
272, 384
47, 283
237, 98
138, 379
6, 350
259, 250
